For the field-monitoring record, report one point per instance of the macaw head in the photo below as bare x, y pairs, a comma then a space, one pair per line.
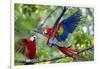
45, 32
33, 38
48, 31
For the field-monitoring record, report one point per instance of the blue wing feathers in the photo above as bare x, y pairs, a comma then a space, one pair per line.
70, 23
63, 37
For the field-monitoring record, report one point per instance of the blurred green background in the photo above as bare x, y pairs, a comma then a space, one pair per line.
28, 17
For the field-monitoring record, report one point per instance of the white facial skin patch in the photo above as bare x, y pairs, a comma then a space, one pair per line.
45, 31
32, 38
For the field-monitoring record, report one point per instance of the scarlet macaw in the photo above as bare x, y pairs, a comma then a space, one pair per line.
60, 31
30, 48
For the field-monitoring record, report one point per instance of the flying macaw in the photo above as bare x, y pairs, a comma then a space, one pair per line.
30, 48
60, 31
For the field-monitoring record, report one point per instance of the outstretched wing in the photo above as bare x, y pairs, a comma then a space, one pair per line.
57, 21
68, 26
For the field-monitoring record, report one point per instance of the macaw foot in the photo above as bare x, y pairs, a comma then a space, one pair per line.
30, 61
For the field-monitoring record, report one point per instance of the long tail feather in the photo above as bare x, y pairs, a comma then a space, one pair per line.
68, 51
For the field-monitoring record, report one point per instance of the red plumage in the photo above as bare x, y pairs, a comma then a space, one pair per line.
49, 33
30, 48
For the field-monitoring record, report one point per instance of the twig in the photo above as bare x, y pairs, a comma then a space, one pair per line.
88, 48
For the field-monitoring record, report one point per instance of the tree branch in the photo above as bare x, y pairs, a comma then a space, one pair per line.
22, 60
88, 48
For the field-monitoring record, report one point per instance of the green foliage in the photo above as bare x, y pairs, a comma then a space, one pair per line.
18, 55
29, 17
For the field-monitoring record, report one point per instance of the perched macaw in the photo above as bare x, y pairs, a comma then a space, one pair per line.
30, 48
60, 31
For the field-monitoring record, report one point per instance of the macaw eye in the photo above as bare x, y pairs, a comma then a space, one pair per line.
34, 36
